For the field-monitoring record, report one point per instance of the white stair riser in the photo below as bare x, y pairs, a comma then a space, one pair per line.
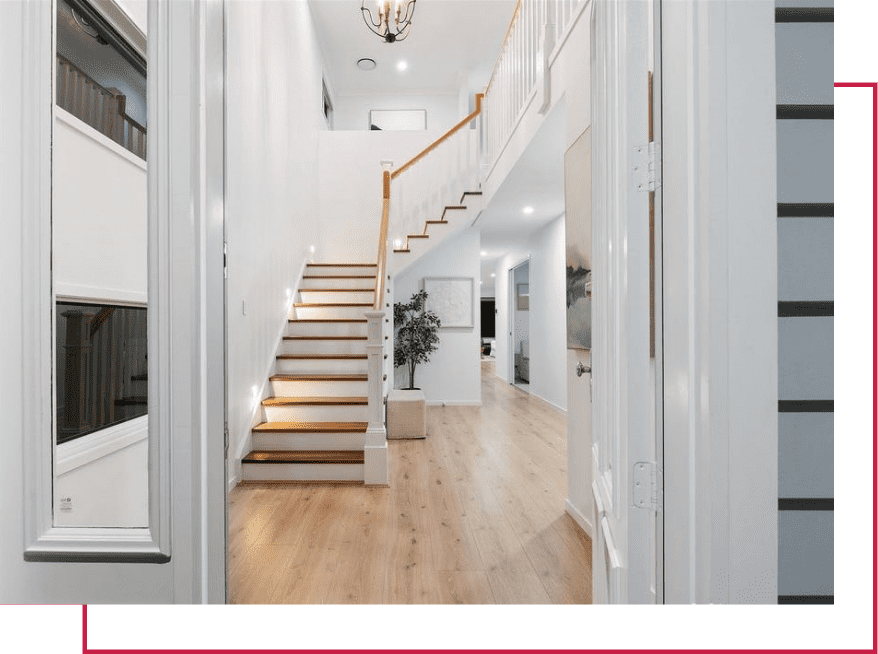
322, 347
321, 366
330, 413
340, 270
326, 329
338, 282
303, 471
316, 313
457, 221
337, 296
306, 442
319, 388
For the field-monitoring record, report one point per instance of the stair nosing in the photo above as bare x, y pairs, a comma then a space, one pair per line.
342, 357
327, 320
351, 457
305, 305
342, 265
325, 338
317, 400
344, 377
301, 427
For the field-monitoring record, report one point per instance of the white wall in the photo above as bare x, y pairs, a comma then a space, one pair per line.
99, 218
349, 179
548, 321
273, 125
351, 112
104, 477
453, 374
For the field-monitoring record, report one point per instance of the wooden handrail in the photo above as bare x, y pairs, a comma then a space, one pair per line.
382, 242
503, 45
435, 144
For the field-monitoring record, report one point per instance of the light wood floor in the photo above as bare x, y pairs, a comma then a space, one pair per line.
474, 515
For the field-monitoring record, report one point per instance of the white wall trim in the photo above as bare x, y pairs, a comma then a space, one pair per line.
87, 449
556, 50
87, 130
233, 481
454, 403
580, 519
82, 293
542, 399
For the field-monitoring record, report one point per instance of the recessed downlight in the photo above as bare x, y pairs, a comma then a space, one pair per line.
528, 210
484, 253
402, 65
493, 274
366, 64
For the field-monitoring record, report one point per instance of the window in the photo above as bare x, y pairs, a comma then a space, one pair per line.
100, 367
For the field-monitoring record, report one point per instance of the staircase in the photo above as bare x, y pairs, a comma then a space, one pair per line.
316, 425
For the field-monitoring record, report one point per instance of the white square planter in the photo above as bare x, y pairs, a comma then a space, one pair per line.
406, 414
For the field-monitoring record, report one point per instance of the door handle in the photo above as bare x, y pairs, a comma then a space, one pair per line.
581, 368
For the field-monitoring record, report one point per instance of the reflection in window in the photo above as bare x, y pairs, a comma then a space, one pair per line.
101, 367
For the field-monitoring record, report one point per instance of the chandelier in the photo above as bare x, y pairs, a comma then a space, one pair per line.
399, 12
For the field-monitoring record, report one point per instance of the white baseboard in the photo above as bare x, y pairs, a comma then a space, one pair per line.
233, 481
88, 449
551, 404
454, 403
580, 519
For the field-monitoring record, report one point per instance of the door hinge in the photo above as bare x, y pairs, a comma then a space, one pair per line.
646, 167
644, 485
225, 260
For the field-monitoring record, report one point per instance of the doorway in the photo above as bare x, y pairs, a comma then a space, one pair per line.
519, 322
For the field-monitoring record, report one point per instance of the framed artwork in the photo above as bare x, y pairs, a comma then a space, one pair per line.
452, 299
577, 201
522, 294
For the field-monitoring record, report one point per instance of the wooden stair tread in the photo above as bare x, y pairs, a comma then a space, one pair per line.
418, 236
315, 401
342, 265
437, 222
322, 356
309, 427
325, 338
402, 250
315, 456
333, 304
336, 290
339, 277
323, 377
456, 207
327, 320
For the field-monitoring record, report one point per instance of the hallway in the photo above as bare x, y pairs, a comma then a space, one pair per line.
474, 515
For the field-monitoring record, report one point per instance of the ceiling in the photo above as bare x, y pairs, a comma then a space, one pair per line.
536, 180
448, 39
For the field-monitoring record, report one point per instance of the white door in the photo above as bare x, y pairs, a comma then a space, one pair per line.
179, 555
626, 419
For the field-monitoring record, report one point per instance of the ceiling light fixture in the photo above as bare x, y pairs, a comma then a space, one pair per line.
399, 11
483, 253
528, 210
366, 64
402, 65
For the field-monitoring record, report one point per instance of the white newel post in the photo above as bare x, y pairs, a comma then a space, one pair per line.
375, 450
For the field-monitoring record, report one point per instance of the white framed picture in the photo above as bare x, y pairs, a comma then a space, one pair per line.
451, 298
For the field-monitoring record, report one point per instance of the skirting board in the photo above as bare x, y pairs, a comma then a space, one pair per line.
580, 519
233, 481
453, 403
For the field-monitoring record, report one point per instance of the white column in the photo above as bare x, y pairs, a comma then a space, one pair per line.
375, 449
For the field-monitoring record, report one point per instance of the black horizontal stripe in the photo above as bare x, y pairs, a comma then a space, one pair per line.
805, 406
804, 14
805, 111
805, 504
801, 309
806, 599
805, 209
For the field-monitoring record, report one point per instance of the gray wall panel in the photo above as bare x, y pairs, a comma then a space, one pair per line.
805, 358
805, 161
806, 461
805, 259
805, 560
805, 63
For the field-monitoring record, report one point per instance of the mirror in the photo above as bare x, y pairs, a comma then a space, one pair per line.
99, 270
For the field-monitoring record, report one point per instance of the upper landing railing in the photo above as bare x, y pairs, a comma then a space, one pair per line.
99, 108
438, 175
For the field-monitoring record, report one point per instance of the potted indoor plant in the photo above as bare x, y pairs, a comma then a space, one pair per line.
417, 334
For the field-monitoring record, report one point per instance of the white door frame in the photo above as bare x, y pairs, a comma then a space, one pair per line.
180, 557
511, 308
720, 301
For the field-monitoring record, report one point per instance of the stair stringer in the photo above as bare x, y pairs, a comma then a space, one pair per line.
456, 220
